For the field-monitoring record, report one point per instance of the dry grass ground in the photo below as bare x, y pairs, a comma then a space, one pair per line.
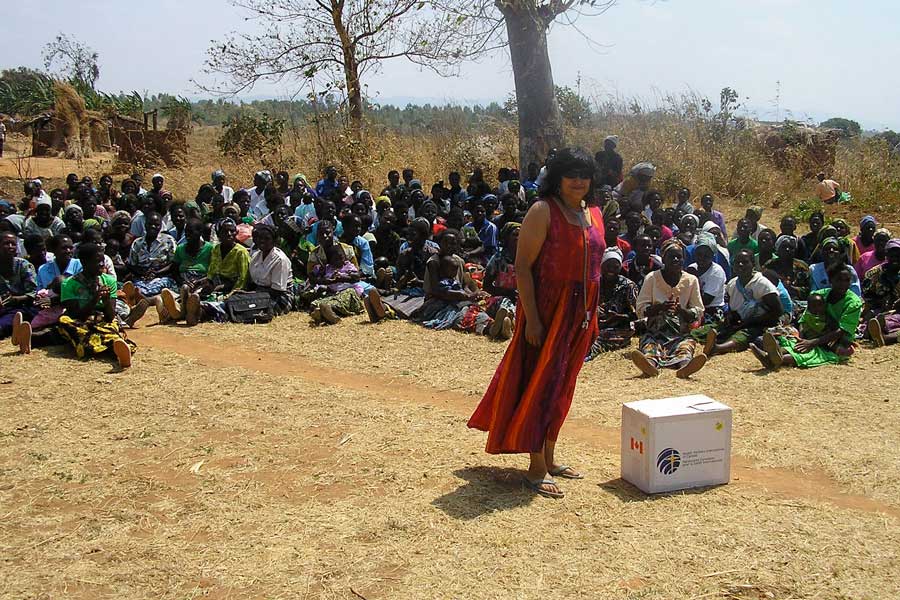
284, 461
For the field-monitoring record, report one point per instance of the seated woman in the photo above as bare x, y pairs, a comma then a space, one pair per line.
18, 288
192, 260
687, 231
793, 272
616, 311
842, 233
410, 275
766, 248
352, 229
874, 257
643, 262
151, 264
881, 291
670, 302
270, 269
500, 282
341, 277
448, 291
822, 344
712, 279
753, 305
44, 222
832, 254
89, 323
228, 272
49, 279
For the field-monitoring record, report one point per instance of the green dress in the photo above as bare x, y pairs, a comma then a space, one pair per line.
845, 312
93, 335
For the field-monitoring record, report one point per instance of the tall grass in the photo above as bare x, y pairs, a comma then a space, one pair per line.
693, 144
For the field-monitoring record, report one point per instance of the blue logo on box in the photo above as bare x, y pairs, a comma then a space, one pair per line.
668, 461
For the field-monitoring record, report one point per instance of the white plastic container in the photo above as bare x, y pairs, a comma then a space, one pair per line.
676, 443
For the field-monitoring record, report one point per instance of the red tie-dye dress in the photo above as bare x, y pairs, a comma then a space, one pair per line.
531, 392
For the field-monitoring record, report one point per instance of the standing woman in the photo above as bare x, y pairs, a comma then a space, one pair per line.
560, 250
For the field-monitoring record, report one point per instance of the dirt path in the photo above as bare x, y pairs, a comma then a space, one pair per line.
810, 485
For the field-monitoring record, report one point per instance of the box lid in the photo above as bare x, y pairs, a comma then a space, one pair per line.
680, 406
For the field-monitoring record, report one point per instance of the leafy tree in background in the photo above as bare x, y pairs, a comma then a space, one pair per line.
331, 45
73, 60
849, 127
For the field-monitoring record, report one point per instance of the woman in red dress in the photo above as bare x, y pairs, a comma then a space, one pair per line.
561, 245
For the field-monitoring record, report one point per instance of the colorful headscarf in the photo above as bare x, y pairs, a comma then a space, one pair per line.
670, 245
508, 229
867, 219
883, 231
784, 239
830, 241
217, 173
893, 244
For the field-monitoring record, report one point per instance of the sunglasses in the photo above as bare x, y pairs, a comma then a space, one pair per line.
578, 174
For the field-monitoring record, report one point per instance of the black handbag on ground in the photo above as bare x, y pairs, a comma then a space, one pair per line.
250, 307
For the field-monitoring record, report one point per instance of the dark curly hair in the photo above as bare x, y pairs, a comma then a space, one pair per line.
565, 161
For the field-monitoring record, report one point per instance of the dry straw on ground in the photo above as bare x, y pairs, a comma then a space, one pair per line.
310, 486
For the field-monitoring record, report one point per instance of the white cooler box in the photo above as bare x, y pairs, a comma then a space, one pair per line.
676, 443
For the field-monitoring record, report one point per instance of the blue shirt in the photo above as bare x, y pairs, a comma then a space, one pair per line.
819, 278
312, 239
366, 260
787, 305
50, 271
325, 187
488, 236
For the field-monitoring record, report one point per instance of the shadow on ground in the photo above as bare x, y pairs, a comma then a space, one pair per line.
486, 490
626, 492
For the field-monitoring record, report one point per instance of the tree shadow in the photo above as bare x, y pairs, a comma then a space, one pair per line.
627, 493
486, 490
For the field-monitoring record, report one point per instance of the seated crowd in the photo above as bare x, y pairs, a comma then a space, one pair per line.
83, 264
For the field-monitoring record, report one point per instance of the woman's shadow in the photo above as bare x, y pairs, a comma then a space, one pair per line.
486, 490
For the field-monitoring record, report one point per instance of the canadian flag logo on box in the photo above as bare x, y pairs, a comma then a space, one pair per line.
636, 445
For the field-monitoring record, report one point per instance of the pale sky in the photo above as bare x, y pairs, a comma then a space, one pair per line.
832, 57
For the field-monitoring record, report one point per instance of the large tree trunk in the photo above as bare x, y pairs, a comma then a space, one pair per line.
354, 98
540, 123
351, 70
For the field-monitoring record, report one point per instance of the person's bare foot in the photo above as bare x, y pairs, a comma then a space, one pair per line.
377, 304
131, 293
760, 355
543, 485
24, 338
694, 365
709, 345
137, 312
644, 364
876, 333
174, 309
16, 326
773, 350
193, 310
123, 353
